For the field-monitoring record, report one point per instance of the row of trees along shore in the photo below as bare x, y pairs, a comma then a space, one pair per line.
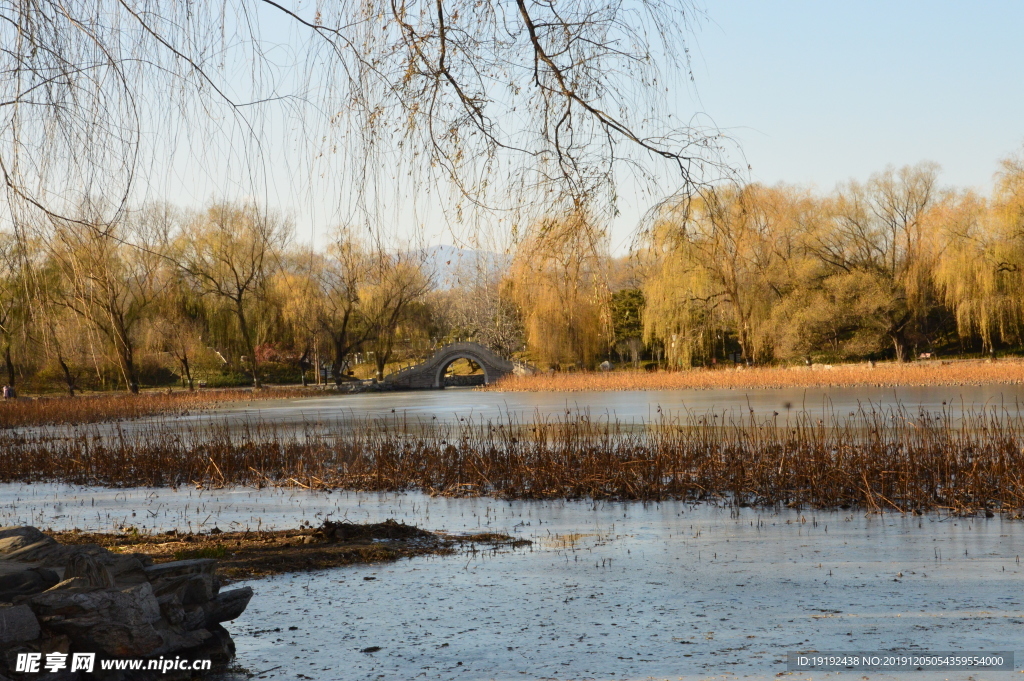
888, 268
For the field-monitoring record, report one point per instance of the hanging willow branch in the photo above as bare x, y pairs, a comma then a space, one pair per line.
522, 103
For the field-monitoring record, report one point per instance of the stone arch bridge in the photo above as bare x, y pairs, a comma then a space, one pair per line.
431, 373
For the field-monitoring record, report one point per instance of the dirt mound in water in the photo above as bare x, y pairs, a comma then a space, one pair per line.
254, 554
389, 529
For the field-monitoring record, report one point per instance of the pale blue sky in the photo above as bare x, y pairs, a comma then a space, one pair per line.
813, 93
818, 92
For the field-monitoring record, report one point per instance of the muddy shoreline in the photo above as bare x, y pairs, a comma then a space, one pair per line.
251, 554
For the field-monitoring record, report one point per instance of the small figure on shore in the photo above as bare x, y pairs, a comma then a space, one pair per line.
9, 393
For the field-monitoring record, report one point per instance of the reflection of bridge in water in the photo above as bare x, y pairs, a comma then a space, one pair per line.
431, 373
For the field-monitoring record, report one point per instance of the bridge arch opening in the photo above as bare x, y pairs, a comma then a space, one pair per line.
441, 379
430, 374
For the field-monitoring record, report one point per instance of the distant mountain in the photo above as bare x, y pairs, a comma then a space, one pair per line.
451, 265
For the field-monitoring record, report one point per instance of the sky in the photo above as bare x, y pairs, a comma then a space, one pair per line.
819, 92
809, 93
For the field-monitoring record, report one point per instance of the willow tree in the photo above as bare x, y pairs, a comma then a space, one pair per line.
17, 289
717, 263
885, 230
229, 253
394, 283
109, 277
342, 274
981, 276
179, 326
559, 281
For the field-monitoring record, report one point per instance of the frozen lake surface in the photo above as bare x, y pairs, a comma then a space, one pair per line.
626, 406
412, 409
607, 590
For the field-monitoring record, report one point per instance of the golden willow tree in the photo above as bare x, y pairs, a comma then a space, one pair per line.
108, 277
885, 237
229, 253
980, 272
717, 264
875, 268
559, 281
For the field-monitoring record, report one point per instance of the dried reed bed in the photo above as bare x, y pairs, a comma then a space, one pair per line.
873, 460
120, 406
889, 375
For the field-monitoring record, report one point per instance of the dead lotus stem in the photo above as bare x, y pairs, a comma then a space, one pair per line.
874, 460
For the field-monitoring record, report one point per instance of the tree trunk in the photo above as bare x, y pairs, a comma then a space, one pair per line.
383, 353
744, 346
127, 360
125, 354
133, 380
380, 361
343, 344
338, 365
900, 346
10, 365
243, 326
69, 379
254, 368
186, 370
898, 335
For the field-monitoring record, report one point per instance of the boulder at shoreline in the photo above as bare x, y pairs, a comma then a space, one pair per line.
84, 598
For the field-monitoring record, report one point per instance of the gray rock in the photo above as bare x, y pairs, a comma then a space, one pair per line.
181, 567
18, 624
172, 610
26, 532
126, 568
228, 605
72, 584
88, 560
90, 569
11, 544
175, 641
137, 600
55, 644
114, 622
195, 618
220, 648
26, 582
84, 597
192, 582
46, 551
187, 589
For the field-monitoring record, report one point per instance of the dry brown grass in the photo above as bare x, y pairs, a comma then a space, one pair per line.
888, 375
251, 555
259, 553
121, 406
889, 460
